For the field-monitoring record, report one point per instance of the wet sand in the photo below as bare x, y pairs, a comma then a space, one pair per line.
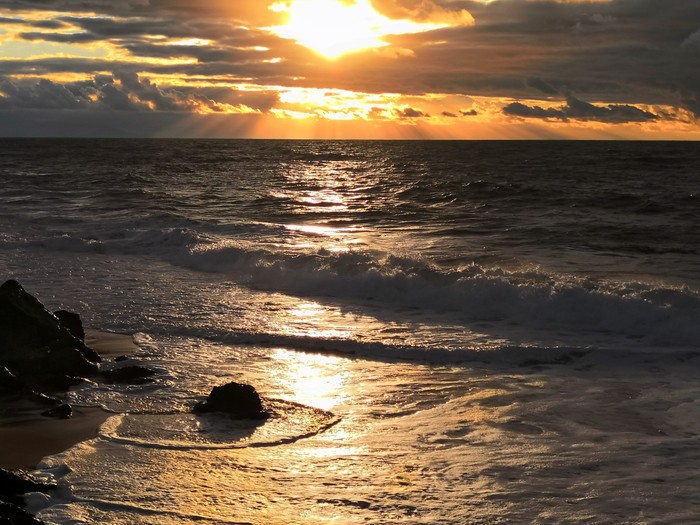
26, 438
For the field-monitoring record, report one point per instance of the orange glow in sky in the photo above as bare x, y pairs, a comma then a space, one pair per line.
333, 28
410, 69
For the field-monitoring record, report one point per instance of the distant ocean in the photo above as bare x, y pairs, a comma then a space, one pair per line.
458, 332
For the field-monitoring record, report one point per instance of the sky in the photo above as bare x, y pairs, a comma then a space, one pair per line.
376, 69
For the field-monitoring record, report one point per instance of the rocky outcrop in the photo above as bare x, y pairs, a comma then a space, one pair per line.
13, 486
34, 344
71, 322
9, 384
236, 400
13, 515
12, 388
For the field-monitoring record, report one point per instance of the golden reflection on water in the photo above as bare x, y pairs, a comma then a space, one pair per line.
316, 380
309, 319
326, 191
331, 239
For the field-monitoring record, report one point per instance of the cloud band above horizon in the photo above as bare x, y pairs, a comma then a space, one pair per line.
457, 69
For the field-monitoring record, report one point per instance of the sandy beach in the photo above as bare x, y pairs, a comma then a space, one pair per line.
27, 438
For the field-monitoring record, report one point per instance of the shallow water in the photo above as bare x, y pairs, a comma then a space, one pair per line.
445, 332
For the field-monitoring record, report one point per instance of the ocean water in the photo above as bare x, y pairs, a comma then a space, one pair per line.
445, 332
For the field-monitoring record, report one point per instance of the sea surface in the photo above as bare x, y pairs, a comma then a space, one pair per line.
444, 332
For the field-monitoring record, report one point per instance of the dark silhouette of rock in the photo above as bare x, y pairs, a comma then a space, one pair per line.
9, 384
71, 322
13, 515
14, 389
238, 400
134, 375
13, 485
34, 346
62, 411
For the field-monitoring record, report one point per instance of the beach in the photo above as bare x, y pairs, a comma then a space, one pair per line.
27, 436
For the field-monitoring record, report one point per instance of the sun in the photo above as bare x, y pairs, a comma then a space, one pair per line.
333, 28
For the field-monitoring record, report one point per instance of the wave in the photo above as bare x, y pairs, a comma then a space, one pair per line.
498, 355
651, 314
660, 315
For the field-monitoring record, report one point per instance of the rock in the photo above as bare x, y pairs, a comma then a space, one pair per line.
71, 322
34, 346
9, 384
134, 375
13, 485
13, 388
62, 411
13, 515
238, 400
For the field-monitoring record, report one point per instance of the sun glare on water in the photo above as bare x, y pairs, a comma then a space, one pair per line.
333, 28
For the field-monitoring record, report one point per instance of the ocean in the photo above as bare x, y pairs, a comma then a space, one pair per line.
448, 332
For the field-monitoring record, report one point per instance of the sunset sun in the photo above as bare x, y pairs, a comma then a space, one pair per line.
333, 28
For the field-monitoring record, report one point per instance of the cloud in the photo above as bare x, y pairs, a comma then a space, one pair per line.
409, 112
693, 40
45, 94
517, 109
542, 85
424, 11
576, 109
72, 38
102, 6
692, 104
123, 91
622, 54
468, 112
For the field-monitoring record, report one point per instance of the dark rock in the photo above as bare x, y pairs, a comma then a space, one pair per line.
135, 375
9, 384
13, 388
58, 382
13, 515
71, 322
42, 399
62, 411
13, 485
121, 358
238, 400
34, 345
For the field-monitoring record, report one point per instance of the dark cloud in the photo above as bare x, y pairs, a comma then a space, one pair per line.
468, 113
64, 38
576, 109
411, 113
634, 50
542, 85
448, 114
692, 105
123, 91
42, 95
693, 40
100, 6
41, 24
518, 109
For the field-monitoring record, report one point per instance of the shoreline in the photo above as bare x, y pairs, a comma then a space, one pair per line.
27, 438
